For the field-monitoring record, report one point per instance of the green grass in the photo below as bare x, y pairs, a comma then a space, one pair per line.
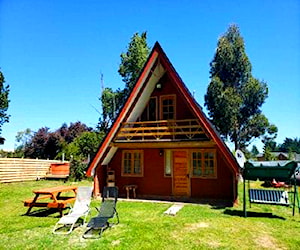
144, 226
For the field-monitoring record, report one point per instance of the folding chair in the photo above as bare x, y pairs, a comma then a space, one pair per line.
106, 212
80, 209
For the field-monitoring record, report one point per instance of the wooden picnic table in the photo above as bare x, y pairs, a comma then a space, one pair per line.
53, 194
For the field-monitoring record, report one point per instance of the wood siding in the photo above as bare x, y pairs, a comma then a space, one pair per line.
152, 183
155, 184
219, 188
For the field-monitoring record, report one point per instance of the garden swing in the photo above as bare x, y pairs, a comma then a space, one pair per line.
284, 171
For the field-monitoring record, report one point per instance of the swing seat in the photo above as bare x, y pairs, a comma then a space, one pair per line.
271, 197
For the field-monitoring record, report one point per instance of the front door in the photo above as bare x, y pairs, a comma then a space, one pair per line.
181, 182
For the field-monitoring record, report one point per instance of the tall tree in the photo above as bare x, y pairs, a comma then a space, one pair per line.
130, 67
4, 101
133, 60
234, 97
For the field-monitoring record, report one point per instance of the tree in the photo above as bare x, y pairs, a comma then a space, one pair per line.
290, 145
49, 145
23, 138
133, 60
80, 150
130, 67
234, 97
44, 144
4, 101
268, 154
84, 146
111, 101
36, 147
53, 145
73, 131
254, 151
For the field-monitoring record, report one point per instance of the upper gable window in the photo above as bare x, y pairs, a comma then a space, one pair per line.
150, 112
168, 107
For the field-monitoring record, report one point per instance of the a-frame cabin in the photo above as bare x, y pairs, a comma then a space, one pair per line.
163, 143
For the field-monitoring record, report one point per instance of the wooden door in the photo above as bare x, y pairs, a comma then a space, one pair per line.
181, 181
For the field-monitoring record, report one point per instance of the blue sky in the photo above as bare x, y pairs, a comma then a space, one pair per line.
53, 52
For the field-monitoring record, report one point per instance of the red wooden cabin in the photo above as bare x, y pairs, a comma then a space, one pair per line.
162, 142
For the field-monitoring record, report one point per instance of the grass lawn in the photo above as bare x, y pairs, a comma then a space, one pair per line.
144, 226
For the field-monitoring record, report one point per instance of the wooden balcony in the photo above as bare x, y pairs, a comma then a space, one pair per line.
163, 130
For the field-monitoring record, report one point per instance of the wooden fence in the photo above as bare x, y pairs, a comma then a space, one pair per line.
17, 169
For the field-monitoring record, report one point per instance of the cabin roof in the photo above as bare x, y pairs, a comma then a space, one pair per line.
155, 67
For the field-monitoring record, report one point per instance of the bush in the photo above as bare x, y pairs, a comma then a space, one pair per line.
77, 169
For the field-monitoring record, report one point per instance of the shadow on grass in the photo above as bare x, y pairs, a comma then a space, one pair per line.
45, 212
240, 213
66, 228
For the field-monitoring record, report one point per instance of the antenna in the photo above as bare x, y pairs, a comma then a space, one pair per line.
101, 82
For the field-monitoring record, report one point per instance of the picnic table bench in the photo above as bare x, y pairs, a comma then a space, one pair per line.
53, 196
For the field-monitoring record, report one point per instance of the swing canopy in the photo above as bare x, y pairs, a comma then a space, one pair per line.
268, 170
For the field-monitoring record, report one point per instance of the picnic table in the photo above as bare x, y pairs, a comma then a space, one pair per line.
53, 196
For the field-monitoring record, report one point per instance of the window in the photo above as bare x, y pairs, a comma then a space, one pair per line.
168, 162
168, 107
132, 163
204, 163
150, 112
209, 166
197, 166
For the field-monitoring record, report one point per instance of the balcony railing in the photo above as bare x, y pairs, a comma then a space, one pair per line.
161, 130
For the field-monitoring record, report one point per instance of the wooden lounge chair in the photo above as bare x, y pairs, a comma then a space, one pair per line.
106, 212
80, 209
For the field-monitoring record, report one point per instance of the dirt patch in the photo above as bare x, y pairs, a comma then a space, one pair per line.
115, 242
189, 228
213, 244
195, 226
267, 242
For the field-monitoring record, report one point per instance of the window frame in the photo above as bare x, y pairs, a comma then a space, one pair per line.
203, 164
168, 163
146, 111
161, 106
132, 174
